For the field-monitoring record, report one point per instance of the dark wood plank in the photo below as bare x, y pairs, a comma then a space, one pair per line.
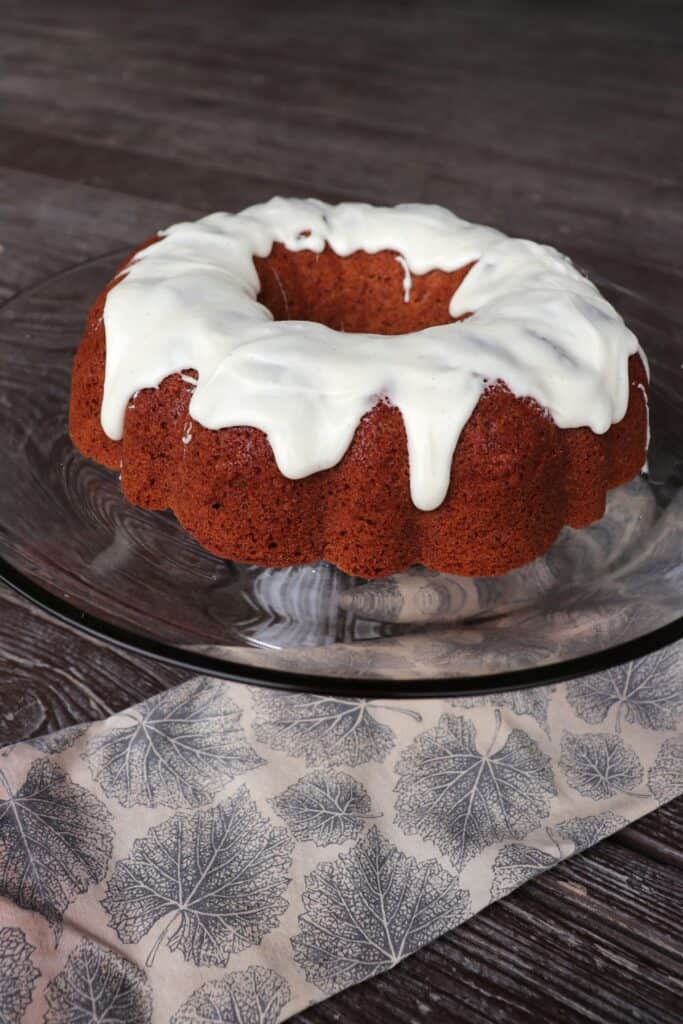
557, 122
50, 225
51, 676
659, 836
533, 119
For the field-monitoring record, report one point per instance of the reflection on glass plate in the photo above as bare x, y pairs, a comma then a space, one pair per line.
70, 541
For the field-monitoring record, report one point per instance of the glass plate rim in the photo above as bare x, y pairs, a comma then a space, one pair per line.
338, 686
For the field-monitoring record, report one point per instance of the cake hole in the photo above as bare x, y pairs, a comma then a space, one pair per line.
360, 293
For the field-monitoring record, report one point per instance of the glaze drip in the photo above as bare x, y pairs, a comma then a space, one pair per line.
407, 278
190, 300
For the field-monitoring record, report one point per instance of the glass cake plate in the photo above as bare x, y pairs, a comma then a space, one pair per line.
69, 541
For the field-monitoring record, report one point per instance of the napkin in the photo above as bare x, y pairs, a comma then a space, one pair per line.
228, 853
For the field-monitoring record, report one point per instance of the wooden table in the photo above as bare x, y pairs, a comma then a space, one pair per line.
563, 126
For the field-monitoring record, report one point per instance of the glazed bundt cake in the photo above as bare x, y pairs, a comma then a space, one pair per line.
373, 386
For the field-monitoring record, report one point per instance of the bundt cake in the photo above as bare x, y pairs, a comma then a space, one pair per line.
373, 386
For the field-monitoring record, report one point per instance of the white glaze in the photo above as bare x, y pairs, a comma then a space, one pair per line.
189, 301
407, 278
646, 399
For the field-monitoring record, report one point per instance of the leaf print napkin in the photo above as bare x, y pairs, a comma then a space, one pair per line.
232, 854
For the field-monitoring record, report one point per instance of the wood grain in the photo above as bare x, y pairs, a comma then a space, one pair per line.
557, 122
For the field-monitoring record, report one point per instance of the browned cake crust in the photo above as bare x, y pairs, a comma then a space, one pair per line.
516, 477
